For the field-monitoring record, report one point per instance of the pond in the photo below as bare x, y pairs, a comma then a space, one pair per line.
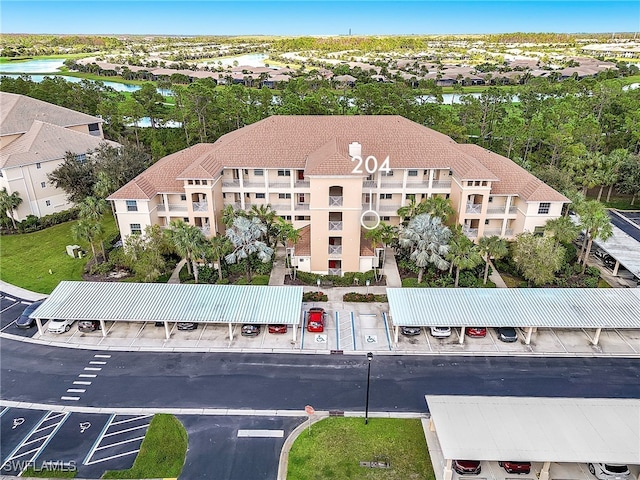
32, 66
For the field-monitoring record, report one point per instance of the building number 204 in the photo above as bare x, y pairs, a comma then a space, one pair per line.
370, 165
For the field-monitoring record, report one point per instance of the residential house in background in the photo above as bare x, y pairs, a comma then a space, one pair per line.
34, 139
309, 169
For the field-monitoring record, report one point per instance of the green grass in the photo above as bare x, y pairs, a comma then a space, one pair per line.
102, 78
602, 283
336, 447
162, 451
255, 280
27, 258
510, 280
43, 473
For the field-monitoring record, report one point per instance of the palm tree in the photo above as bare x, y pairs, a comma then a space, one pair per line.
427, 239
267, 216
437, 206
464, 254
218, 247
245, 236
9, 202
92, 209
595, 220
489, 247
186, 239
409, 211
229, 214
563, 229
87, 230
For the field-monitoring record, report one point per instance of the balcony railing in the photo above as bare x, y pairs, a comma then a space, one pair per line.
172, 208
474, 207
231, 183
200, 207
509, 232
302, 183
441, 184
280, 184
335, 249
470, 232
497, 210
488, 232
206, 230
335, 271
391, 185
370, 184
389, 208
513, 210
335, 226
417, 184
281, 207
252, 184
335, 201
302, 206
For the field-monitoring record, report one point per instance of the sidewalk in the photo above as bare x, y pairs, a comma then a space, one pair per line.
279, 270
175, 276
21, 292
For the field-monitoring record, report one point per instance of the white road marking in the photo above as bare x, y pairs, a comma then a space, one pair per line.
80, 382
76, 390
261, 433
111, 457
101, 356
131, 419
121, 443
126, 430
69, 398
87, 375
92, 369
10, 299
97, 363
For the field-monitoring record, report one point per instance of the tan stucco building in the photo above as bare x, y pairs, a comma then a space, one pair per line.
34, 139
307, 168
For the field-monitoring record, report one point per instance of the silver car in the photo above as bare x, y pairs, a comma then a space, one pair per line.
610, 471
59, 326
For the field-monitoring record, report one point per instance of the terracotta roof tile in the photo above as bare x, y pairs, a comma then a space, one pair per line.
366, 248
303, 247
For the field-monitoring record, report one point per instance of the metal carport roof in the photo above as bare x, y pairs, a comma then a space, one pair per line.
113, 301
516, 307
537, 429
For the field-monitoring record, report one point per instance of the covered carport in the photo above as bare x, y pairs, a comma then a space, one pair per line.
158, 302
527, 429
526, 308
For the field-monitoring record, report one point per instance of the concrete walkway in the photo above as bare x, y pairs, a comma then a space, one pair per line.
175, 276
496, 278
390, 268
279, 270
21, 292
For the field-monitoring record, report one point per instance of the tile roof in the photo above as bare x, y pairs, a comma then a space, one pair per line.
366, 248
331, 158
45, 142
303, 247
513, 178
17, 113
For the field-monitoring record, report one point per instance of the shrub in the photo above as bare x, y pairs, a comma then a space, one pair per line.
363, 297
314, 297
224, 281
412, 283
260, 280
591, 282
206, 274
592, 272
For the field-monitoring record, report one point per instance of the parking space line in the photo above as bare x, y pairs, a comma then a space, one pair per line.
137, 334
73, 399
335, 314
11, 299
112, 457
95, 362
304, 328
3, 411
260, 433
131, 419
353, 329
98, 355
495, 345
76, 390
386, 329
558, 338
204, 327
624, 340
92, 369
35, 439
80, 382
87, 375
126, 430
424, 330
99, 439
7, 326
120, 443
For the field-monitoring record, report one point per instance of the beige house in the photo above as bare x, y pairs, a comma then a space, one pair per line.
34, 139
328, 176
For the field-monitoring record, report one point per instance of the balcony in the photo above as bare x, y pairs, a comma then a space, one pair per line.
441, 184
370, 184
335, 201
206, 230
335, 271
200, 206
230, 183
389, 208
280, 184
489, 232
508, 232
302, 184
335, 249
496, 210
302, 206
417, 184
474, 208
470, 232
251, 184
391, 184
335, 226
513, 210
281, 207
173, 207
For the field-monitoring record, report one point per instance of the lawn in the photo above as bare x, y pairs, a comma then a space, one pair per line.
162, 452
38, 261
336, 447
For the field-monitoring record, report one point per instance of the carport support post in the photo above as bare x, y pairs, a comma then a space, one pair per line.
615, 269
166, 330
527, 340
103, 328
295, 332
39, 323
448, 473
596, 337
395, 334
230, 331
544, 473
461, 341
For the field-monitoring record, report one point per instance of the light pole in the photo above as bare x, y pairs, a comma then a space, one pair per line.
366, 405
367, 283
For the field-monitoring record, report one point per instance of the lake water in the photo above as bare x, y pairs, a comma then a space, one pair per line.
32, 66
118, 87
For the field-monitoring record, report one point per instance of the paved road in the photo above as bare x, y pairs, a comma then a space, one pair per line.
37, 373
628, 228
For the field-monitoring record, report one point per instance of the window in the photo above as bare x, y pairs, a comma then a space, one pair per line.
284, 173
204, 182
285, 217
259, 195
38, 165
386, 219
387, 173
132, 206
94, 127
81, 158
43, 184
410, 196
544, 208
258, 172
490, 199
185, 219
135, 228
190, 182
447, 196
48, 203
426, 172
183, 197
450, 172
413, 173
301, 198
486, 222
197, 182
386, 196
284, 195
303, 218
248, 195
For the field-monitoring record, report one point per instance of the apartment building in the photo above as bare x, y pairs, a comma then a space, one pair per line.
333, 177
34, 139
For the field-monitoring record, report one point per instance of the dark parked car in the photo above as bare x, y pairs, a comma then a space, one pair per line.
88, 325
23, 321
250, 330
410, 331
187, 325
467, 467
507, 334
516, 467
273, 328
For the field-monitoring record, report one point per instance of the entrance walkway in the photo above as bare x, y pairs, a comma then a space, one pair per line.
496, 278
279, 270
175, 276
390, 268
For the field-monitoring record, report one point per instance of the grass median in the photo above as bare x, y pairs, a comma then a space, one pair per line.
336, 447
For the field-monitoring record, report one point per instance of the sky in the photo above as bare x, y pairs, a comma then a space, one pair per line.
332, 17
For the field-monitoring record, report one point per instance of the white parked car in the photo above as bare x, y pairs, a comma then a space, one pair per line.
610, 471
59, 326
441, 332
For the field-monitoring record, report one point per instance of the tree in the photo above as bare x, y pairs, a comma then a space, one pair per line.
92, 209
491, 247
537, 257
187, 241
144, 254
562, 229
608, 168
89, 231
409, 211
219, 246
150, 100
595, 220
629, 179
76, 175
229, 214
9, 202
245, 236
267, 216
427, 239
463, 254
437, 206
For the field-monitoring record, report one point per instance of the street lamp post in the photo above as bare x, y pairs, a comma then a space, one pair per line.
366, 405
368, 283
